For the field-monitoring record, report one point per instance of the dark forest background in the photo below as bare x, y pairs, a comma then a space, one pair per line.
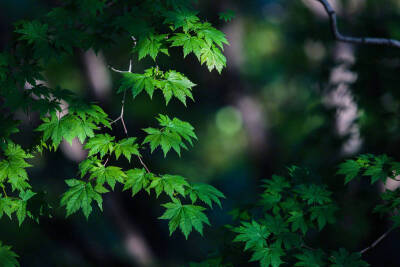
290, 95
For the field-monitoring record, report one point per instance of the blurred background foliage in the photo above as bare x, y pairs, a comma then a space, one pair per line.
290, 95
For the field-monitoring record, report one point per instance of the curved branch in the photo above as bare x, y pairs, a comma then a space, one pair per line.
376, 242
350, 39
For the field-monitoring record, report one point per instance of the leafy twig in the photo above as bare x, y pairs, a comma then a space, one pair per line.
121, 116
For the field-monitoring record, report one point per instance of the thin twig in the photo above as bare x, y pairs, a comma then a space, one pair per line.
121, 116
105, 163
116, 70
144, 165
350, 39
376, 242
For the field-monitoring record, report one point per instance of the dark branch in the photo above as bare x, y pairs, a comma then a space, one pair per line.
376, 242
350, 39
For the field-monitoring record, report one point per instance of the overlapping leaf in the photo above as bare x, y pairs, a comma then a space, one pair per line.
170, 136
253, 234
186, 217
205, 193
80, 195
136, 180
170, 184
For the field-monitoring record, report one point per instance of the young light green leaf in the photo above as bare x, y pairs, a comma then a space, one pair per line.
213, 58
211, 35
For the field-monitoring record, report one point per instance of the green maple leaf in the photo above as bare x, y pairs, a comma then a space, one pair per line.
87, 164
126, 147
136, 180
72, 126
189, 43
213, 58
170, 184
52, 129
138, 82
227, 15
79, 125
80, 196
100, 143
109, 174
186, 217
164, 138
391, 201
349, 168
181, 18
268, 256
342, 258
275, 224
151, 45
33, 31
323, 214
89, 113
8, 258
276, 184
311, 258
177, 85
7, 206
13, 167
21, 211
313, 194
211, 35
298, 222
183, 128
253, 234
378, 170
205, 193
289, 240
